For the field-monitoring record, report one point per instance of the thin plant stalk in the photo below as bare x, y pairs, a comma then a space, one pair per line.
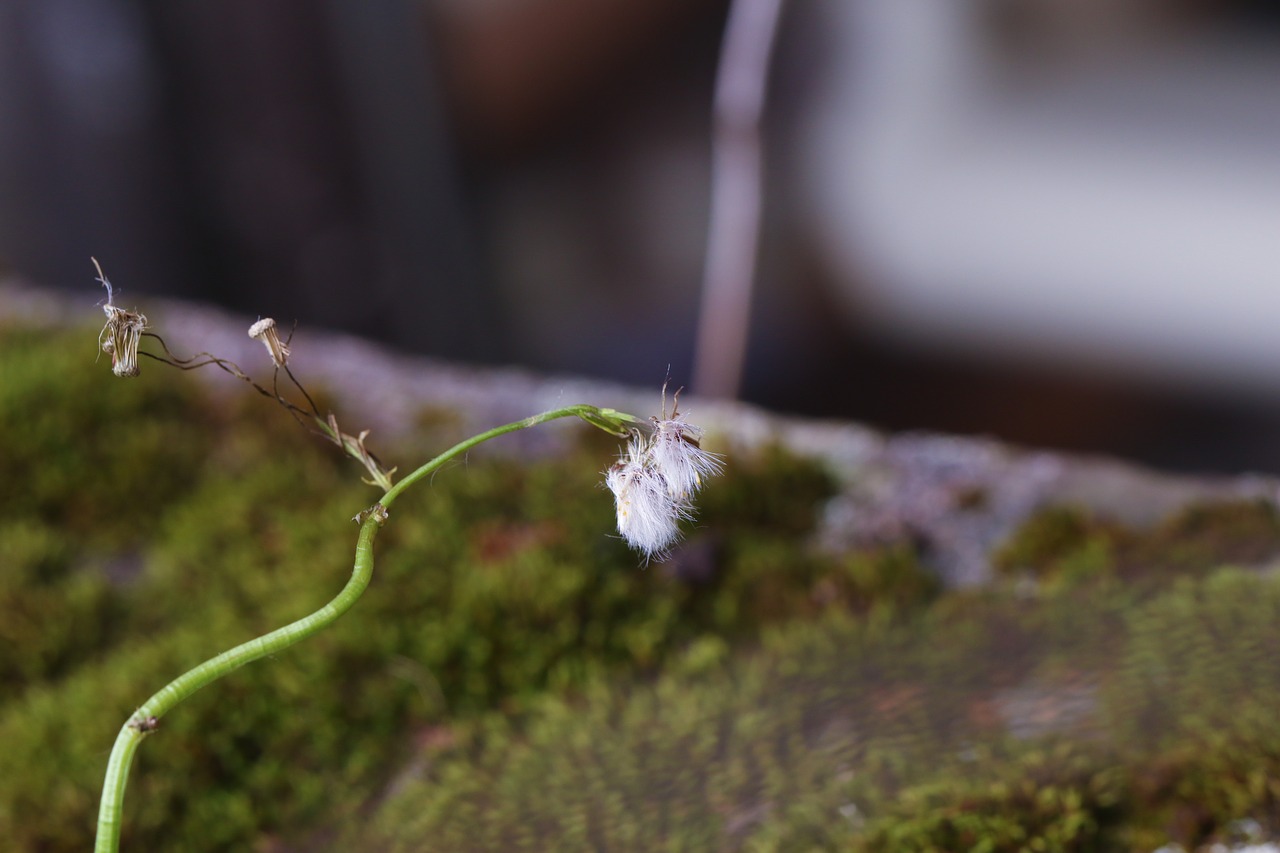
146, 719
609, 420
736, 189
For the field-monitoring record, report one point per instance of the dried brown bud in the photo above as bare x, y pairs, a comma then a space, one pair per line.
121, 335
120, 338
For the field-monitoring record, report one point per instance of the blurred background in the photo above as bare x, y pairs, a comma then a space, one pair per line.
1053, 221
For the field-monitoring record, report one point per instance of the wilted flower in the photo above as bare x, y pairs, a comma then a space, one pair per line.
121, 335
265, 330
120, 338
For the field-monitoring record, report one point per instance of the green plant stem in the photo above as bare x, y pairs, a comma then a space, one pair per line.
133, 731
144, 720
591, 414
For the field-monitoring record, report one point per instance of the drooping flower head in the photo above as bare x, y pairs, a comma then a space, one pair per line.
648, 518
654, 481
121, 335
677, 452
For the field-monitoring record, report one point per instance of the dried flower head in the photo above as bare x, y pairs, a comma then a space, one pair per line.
121, 335
648, 517
654, 481
676, 449
265, 330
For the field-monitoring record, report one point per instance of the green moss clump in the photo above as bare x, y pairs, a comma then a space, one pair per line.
822, 739
1173, 670
1197, 689
1061, 543
87, 453
89, 464
1067, 546
54, 616
777, 491
1207, 535
1054, 798
842, 734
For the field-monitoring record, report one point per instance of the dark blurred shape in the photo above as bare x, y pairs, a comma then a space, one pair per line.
81, 168
288, 158
525, 73
528, 181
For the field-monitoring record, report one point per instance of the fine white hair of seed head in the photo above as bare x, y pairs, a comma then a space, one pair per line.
676, 452
648, 517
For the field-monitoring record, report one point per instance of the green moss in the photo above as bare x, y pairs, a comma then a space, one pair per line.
1207, 535
750, 694
865, 735
1067, 546
777, 491
1052, 798
496, 583
85, 452
1062, 545
88, 465
796, 746
54, 615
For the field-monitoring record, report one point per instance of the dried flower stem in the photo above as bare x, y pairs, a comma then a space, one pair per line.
326, 425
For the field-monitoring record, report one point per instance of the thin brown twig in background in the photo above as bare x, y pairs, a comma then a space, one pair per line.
204, 359
720, 347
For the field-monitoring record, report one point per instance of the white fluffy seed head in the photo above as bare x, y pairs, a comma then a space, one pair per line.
677, 454
648, 518
654, 481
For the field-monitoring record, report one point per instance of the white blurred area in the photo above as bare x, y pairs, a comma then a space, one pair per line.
1091, 183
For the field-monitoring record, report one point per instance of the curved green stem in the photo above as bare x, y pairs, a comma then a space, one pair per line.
608, 420
146, 718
